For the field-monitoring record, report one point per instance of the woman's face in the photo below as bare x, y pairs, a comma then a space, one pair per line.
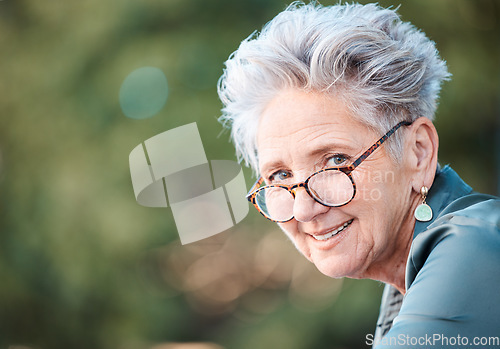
300, 133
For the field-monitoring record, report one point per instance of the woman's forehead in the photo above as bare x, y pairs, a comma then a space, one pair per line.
300, 123
298, 115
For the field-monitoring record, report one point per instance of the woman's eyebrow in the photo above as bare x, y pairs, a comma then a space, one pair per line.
330, 147
270, 166
314, 153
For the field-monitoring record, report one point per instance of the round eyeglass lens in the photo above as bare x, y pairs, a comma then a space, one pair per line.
276, 203
332, 187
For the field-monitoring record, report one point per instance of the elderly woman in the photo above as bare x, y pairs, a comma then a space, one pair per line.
333, 108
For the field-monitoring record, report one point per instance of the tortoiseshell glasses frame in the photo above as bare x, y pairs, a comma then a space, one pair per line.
251, 196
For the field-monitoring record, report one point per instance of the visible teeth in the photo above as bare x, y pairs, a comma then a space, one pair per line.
332, 233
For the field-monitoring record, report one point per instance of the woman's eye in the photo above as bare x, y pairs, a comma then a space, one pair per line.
337, 160
280, 176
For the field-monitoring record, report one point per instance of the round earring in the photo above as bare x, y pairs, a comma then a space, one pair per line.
423, 212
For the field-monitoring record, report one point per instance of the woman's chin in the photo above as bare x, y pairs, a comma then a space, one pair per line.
333, 257
334, 268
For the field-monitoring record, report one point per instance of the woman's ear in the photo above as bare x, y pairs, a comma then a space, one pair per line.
423, 144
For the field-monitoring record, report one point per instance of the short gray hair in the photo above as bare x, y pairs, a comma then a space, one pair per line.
383, 69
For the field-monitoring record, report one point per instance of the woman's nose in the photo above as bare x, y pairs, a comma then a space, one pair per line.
305, 208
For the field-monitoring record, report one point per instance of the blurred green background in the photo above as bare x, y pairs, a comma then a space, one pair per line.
82, 265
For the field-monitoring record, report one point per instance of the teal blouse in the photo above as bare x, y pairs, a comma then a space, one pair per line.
452, 295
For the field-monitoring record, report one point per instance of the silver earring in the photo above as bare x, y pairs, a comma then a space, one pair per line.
423, 212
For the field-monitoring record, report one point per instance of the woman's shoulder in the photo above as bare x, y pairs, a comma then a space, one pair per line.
477, 207
462, 215
468, 228
452, 272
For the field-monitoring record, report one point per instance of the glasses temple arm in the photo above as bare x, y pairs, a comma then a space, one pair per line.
255, 186
377, 144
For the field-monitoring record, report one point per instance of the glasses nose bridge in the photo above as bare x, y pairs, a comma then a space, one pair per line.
294, 188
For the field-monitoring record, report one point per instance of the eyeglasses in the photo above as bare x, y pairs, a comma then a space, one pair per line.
331, 187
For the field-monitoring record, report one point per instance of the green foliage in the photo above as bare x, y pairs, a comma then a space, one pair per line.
82, 265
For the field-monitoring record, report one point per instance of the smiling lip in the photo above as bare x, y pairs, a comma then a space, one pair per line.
332, 232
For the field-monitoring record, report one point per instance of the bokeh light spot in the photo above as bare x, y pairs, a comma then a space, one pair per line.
143, 93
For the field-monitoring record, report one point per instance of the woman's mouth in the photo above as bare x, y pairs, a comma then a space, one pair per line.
332, 233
